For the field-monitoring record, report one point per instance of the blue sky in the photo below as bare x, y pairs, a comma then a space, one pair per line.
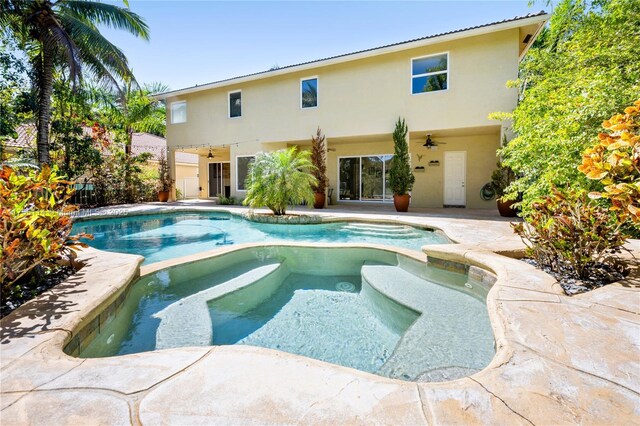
196, 42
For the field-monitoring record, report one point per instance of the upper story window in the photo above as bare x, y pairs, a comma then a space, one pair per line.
235, 104
309, 92
178, 112
429, 73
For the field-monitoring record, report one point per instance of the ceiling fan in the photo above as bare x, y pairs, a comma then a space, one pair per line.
430, 143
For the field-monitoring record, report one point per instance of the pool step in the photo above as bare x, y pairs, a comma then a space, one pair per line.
187, 321
382, 231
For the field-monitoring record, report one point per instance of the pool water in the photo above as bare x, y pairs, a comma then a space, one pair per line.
166, 236
309, 315
364, 308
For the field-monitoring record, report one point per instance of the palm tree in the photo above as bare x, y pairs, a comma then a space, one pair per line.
131, 109
280, 178
66, 30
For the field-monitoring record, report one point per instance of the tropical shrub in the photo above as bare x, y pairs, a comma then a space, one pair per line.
279, 179
615, 162
319, 160
401, 178
582, 69
567, 231
35, 226
225, 201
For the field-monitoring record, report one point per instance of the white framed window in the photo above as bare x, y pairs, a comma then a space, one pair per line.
235, 104
430, 73
178, 112
242, 170
309, 92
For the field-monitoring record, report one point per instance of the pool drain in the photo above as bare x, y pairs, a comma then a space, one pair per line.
345, 286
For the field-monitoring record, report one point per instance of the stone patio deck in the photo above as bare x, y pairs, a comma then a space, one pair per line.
560, 360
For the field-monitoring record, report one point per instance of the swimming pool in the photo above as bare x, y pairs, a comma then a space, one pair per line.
165, 236
370, 309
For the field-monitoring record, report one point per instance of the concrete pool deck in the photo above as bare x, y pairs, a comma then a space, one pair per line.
560, 359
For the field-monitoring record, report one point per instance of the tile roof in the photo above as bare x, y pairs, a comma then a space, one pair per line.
26, 137
516, 18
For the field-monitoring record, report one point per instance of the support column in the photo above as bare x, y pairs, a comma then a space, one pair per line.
171, 161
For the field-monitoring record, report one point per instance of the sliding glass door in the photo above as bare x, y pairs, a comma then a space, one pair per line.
365, 178
219, 179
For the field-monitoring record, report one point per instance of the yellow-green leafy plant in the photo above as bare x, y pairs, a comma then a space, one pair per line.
35, 226
615, 162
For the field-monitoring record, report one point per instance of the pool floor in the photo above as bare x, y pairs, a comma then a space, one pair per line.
322, 317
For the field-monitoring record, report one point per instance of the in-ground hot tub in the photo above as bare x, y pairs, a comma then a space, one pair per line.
372, 309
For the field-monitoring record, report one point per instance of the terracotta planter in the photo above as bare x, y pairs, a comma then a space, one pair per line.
163, 196
320, 200
401, 202
504, 207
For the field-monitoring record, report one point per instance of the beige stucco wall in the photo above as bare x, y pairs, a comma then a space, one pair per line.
363, 98
184, 170
429, 185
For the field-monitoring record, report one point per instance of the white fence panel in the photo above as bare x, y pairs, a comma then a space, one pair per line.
188, 186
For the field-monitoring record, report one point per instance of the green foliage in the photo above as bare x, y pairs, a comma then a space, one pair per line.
319, 160
226, 201
13, 89
123, 178
34, 228
615, 162
72, 150
401, 178
582, 70
65, 36
566, 231
280, 178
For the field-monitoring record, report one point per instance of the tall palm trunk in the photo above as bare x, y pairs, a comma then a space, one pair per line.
44, 103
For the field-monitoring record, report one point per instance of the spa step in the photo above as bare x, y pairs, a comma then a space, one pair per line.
400, 285
187, 321
420, 346
383, 231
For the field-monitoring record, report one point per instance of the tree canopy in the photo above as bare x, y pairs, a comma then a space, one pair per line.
64, 35
583, 68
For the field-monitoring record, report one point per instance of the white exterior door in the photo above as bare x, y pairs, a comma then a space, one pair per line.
455, 175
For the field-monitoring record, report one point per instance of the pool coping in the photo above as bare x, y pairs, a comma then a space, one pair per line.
559, 360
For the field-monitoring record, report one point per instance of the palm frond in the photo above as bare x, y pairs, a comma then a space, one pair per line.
54, 36
92, 44
279, 179
107, 14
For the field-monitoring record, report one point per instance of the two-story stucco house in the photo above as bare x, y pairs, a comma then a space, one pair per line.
443, 85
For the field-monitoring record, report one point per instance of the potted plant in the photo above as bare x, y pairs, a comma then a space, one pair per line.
164, 178
400, 177
319, 160
501, 178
